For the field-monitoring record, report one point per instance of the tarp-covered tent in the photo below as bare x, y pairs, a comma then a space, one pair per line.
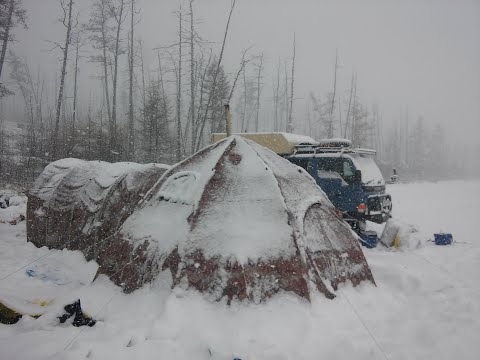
237, 221
78, 205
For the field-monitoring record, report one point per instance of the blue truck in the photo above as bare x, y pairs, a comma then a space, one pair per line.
350, 178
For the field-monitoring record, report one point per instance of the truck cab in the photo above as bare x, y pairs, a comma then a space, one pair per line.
350, 178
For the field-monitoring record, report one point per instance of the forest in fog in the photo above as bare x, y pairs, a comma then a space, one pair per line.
168, 110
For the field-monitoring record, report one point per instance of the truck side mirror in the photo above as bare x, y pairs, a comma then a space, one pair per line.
358, 177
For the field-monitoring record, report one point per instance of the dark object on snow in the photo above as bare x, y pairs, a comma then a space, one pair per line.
4, 201
80, 318
394, 177
442, 239
8, 316
369, 239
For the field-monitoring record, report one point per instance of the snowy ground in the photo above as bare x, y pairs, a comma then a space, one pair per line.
426, 304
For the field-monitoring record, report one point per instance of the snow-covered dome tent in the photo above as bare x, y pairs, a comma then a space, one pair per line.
237, 221
79, 205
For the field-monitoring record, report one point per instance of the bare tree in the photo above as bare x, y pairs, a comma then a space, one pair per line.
361, 126
286, 97
210, 96
100, 35
349, 106
75, 91
163, 103
243, 63
11, 15
354, 113
290, 120
179, 90
244, 112
131, 125
248, 101
192, 74
142, 69
203, 72
117, 11
259, 76
332, 103
67, 22
276, 98
31, 92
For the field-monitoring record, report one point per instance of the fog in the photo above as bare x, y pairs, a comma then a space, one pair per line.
412, 59
420, 55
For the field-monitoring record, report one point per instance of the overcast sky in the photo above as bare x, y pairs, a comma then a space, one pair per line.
420, 54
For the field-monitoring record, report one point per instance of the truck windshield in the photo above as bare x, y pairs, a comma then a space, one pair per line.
336, 168
371, 174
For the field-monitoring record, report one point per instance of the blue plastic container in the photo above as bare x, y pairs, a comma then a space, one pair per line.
369, 239
442, 239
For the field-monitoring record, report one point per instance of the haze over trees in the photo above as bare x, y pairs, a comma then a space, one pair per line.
164, 110
12, 14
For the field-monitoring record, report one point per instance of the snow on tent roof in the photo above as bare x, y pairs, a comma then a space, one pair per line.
278, 142
298, 139
237, 221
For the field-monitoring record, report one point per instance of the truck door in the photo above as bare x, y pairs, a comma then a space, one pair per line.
336, 177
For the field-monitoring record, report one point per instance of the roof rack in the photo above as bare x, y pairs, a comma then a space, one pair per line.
321, 149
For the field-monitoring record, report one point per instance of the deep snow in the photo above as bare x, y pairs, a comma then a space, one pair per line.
426, 304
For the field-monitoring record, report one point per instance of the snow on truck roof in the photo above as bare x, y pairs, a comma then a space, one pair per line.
335, 141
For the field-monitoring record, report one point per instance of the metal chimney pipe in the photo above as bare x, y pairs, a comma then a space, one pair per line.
228, 120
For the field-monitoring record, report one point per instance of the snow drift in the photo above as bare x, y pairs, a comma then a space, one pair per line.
234, 220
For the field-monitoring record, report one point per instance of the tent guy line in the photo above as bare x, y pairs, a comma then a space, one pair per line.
363, 323
53, 252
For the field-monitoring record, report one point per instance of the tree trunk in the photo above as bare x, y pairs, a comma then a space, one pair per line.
290, 120
210, 96
131, 125
192, 75
179, 92
286, 98
7, 34
75, 92
354, 113
332, 105
105, 65
113, 123
62, 82
244, 114
162, 89
276, 99
349, 107
258, 92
